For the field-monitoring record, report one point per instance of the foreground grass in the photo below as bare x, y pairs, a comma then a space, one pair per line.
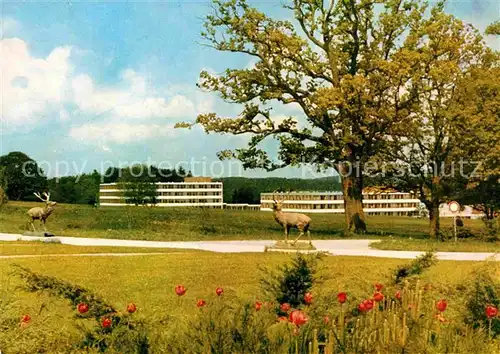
401, 244
150, 281
42, 248
189, 224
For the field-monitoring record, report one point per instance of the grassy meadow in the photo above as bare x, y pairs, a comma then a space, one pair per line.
41, 248
149, 282
188, 224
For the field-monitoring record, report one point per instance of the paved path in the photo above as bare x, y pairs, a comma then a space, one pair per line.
334, 247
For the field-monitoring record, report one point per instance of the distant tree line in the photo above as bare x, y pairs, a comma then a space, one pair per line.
247, 190
20, 177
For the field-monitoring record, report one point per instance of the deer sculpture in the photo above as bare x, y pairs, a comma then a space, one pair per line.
288, 220
39, 213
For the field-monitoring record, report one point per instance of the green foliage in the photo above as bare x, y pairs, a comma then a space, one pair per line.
493, 29
484, 290
415, 268
408, 325
225, 327
81, 189
123, 336
247, 190
289, 282
483, 195
3, 186
22, 176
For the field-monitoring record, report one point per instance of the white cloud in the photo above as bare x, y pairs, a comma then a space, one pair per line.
31, 86
34, 90
118, 133
133, 99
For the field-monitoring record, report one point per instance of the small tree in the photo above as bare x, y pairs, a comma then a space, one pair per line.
291, 281
138, 186
23, 176
484, 196
454, 127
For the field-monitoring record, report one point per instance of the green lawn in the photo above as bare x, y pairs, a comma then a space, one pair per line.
41, 248
197, 224
402, 244
150, 281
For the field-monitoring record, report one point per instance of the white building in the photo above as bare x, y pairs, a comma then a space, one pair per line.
374, 203
466, 212
193, 192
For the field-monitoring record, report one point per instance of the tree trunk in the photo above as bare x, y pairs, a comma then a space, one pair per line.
352, 189
434, 220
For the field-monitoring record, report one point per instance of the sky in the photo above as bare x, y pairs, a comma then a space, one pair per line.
88, 84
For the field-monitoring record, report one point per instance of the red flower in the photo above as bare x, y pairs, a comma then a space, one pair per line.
441, 305
131, 308
369, 304
342, 297
285, 307
365, 306
378, 296
219, 291
258, 305
326, 319
83, 308
107, 322
398, 295
282, 319
26, 319
491, 311
308, 298
180, 290
201, 303
298, 317
378, 286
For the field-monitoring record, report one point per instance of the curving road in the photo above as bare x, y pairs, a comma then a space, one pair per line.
334, 247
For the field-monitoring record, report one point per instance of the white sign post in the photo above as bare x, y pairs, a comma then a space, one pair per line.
455, 209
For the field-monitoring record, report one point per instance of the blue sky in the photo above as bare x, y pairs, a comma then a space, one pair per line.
90, 84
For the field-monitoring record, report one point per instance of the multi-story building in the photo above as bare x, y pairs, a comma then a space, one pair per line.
193, 192
374, 203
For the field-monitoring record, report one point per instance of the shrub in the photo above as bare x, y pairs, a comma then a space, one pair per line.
112, 331
415, 268
484, 291
291, 281
410, 323
222, 327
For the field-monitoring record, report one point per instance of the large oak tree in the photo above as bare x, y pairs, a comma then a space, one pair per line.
353, 67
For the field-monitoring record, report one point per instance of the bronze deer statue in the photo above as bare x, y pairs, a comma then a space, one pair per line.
301, 222
39, 213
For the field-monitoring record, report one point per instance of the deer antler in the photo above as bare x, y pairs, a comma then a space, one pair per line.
47, 195
39, 196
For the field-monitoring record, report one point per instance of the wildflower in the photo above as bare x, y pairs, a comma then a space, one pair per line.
441, 305
180, 290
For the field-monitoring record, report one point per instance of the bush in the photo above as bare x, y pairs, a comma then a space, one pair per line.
222, 327
415, 268
407, 324
484, 291
291, 281
121, 334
